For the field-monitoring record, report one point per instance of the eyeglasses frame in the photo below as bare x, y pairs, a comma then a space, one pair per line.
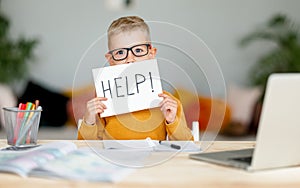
130, 49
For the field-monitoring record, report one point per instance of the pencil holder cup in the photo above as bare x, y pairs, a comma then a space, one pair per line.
21, 126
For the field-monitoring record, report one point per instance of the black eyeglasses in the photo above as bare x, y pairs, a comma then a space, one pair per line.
137, 50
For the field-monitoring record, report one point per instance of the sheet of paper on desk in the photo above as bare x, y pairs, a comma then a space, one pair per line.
150, 145
128, 87
127, 145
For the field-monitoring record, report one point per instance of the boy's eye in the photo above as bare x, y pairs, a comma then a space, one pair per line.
138, 50
119, 52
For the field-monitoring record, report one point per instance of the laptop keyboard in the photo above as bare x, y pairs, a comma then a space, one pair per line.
243, 159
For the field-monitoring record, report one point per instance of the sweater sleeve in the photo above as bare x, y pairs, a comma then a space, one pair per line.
178, 130
91, 132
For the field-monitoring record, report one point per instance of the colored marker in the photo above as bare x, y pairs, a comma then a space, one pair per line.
28, 107
19, 119
27, 124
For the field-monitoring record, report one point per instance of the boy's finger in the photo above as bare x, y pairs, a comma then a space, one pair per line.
162, 95
102, 98
168, 101
102, 105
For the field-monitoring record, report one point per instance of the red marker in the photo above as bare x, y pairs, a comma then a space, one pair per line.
19, 120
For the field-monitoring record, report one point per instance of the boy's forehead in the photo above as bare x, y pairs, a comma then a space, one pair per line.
127, 39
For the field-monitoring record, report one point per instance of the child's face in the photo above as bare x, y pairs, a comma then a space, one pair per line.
136, 41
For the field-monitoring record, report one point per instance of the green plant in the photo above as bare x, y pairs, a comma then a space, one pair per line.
14, 54
285, 57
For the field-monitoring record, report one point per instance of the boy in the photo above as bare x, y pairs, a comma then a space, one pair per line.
129, 42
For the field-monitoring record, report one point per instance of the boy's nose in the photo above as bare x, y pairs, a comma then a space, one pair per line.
130, 58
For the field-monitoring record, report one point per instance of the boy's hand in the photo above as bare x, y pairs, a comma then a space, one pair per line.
93, 107
168, 107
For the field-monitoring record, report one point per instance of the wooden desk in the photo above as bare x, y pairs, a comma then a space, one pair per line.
179, 171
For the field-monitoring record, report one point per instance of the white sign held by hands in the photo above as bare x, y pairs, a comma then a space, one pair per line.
128, 87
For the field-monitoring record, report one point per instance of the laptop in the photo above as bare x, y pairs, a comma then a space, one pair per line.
278, 136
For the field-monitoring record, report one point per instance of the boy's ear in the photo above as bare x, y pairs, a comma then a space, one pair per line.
153, 52
109, 58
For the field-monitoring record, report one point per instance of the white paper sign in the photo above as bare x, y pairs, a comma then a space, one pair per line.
128, 87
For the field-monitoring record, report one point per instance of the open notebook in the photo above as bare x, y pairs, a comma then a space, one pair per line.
61, 160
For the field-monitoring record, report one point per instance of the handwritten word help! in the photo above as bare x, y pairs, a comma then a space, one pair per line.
123, 84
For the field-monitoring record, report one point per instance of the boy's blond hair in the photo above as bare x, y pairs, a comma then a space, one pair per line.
128, 23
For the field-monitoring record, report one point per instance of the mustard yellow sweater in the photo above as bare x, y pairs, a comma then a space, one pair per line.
138, 125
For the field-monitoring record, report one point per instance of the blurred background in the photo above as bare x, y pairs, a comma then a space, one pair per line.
57, 34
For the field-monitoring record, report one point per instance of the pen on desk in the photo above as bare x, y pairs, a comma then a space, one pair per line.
174, 146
